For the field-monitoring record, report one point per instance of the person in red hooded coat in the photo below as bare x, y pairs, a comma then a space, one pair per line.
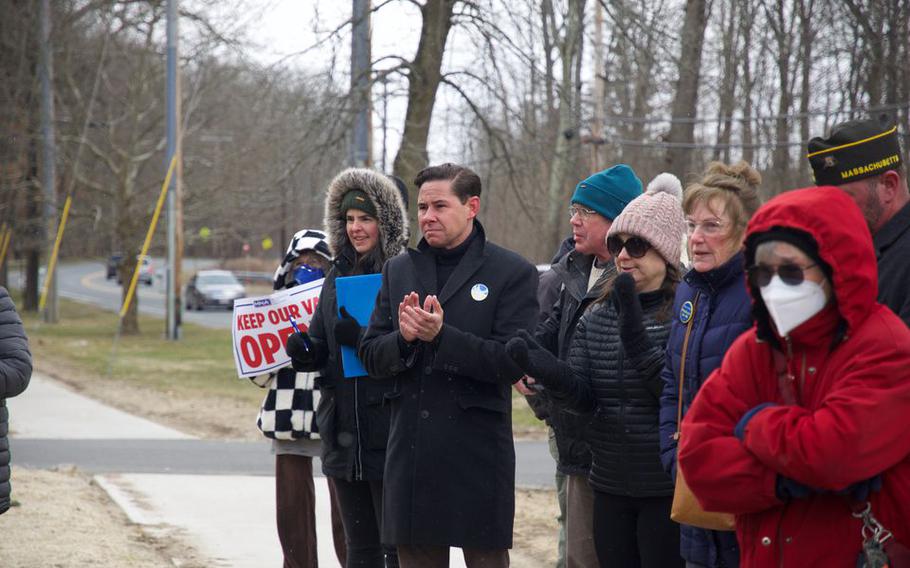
806, 419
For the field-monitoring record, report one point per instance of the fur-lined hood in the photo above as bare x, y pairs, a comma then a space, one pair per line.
390, 210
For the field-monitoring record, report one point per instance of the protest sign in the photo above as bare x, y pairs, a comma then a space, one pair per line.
261, 326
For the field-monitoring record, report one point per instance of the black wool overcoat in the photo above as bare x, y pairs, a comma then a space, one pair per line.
450, 464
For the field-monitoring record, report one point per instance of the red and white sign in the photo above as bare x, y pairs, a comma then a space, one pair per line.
261, 327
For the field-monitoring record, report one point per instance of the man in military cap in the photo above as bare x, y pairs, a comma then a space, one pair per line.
863, 158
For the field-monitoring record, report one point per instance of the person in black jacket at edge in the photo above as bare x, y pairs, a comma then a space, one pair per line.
366, 222
444, 313
15, 372
581, 275
613, 372
864, 159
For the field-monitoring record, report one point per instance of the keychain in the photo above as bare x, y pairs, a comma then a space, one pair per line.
874, 538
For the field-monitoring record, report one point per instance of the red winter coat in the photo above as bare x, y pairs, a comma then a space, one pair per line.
852, 417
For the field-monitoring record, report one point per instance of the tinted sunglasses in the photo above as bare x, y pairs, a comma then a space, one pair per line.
636, 247
791, 274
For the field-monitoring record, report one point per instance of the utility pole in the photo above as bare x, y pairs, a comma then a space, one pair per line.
385, 119
174, 197
361, 154
49, 177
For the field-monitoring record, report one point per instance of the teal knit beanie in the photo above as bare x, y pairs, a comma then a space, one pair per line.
609, 191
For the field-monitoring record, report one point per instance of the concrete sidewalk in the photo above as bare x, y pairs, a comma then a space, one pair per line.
227, 518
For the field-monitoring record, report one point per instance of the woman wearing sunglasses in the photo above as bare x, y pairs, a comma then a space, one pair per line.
613, 371
711, 310
804, 425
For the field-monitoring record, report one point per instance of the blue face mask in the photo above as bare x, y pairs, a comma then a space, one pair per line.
306, 273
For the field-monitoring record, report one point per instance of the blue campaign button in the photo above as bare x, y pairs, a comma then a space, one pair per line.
685, 312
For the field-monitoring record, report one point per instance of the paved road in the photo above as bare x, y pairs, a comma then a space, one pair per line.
534, 467
52, 425
85, 281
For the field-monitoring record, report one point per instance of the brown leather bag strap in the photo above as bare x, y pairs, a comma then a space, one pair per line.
682, 368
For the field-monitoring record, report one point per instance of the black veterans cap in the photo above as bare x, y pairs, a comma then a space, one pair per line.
855, 150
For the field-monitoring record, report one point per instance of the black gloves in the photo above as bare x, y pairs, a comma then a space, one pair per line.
536, 361
300, 349
632, 332
860, 491
347, 329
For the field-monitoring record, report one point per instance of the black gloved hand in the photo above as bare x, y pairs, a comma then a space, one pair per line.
536, 361
862, 490
632, 332
787, 489
347, 329
300, 349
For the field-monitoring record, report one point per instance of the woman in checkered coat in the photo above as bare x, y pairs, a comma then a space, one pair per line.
366, 222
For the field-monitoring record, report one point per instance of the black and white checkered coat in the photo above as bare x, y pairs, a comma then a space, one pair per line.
289, 408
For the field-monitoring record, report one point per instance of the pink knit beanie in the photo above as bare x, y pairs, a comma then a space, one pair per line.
657, 217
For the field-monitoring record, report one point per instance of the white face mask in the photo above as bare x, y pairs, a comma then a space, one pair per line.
791, 306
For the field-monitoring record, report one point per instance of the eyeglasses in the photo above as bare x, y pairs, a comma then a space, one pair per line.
636, 247
710, 228
582, 212
791, 274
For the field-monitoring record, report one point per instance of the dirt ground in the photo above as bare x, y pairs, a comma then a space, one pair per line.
67, 521
60, 519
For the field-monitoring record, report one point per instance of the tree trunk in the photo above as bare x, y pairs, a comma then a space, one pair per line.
425, 74
746, 22
782, 26
34, 234
567, 137
728, 84
685, 103
806, 39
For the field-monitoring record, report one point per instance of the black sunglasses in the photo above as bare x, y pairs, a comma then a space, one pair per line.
791, 274
637, 247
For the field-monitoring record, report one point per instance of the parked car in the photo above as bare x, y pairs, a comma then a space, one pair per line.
213, 288
113, 263
146, 270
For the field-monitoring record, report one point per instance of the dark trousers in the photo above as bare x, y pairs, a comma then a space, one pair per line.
635, 532
295, 506
438, 557
361, 511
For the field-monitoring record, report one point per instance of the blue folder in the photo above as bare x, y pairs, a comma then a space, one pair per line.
358, 296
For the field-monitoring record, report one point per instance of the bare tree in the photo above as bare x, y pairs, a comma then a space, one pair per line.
566, 149
685, 102
424, 75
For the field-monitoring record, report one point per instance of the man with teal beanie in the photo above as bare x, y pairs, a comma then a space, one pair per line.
609, 191
582, 273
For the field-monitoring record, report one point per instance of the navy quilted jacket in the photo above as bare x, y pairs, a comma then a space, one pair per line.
721, 314
15, 371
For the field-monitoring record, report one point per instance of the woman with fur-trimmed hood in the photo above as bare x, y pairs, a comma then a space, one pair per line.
366, 221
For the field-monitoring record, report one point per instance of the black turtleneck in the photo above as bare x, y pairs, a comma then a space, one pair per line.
448, 259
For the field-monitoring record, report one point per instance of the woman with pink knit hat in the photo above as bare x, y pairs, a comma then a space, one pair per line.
613, 372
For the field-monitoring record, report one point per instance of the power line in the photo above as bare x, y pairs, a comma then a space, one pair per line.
758, 118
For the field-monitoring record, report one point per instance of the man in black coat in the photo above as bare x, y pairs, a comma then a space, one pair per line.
864, 159
15, 372
444, 313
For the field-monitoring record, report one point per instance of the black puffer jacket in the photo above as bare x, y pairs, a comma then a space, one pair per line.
15, 371
624, 394
556, 333
353, 413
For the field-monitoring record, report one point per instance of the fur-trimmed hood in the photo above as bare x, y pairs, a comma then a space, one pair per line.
390, 210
